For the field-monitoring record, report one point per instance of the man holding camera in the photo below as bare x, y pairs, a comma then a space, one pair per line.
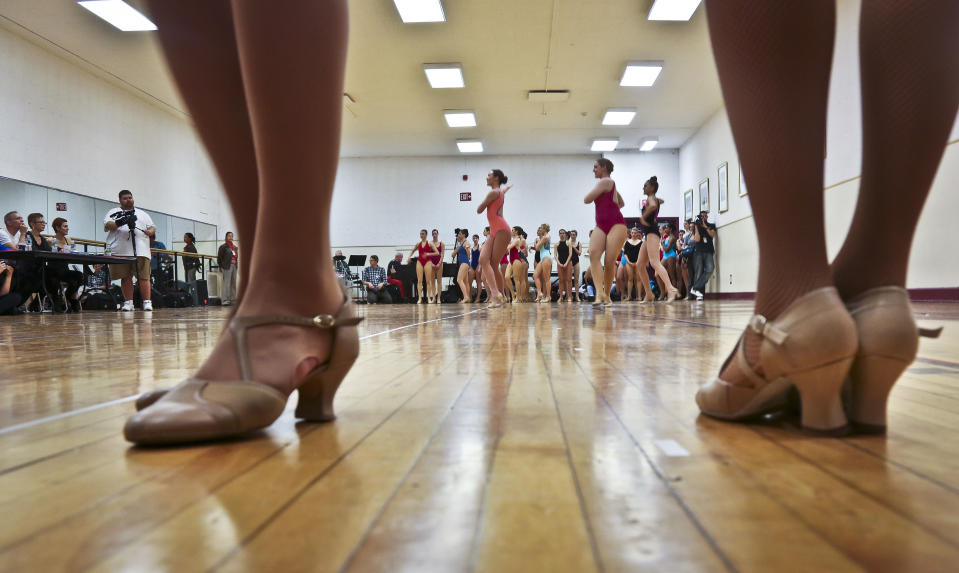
128, 234
704, 233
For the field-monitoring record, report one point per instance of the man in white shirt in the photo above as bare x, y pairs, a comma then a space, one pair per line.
14, 230
117, 224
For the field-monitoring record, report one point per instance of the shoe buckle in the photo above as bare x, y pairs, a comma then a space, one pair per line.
324, 321
761, 326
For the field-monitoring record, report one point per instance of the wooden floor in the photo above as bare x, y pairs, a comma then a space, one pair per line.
528, 438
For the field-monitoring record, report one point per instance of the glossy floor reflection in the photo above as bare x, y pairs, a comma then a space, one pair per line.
528, 438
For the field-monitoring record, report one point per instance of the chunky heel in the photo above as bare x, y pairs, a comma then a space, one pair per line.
821, 399
318, 389
200, 410
888, 344
871, 380
810, 346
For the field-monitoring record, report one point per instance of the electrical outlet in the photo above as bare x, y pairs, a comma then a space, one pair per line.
730, 278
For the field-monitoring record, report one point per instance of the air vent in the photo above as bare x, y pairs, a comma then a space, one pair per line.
548, 96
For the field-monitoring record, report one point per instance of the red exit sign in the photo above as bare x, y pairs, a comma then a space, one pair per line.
466, 196
61, 206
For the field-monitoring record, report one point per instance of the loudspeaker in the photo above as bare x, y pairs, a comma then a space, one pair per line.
201, 296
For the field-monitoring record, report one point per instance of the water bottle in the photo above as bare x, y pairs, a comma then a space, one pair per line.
29, 246
590, 291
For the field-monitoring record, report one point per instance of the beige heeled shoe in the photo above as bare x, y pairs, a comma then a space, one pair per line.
888, 344
200, 410
810, 346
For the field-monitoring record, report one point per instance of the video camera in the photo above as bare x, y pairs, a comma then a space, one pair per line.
126, 218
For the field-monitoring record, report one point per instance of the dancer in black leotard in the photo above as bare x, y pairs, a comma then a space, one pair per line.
649, 254
576, 249
564, 266
632, 272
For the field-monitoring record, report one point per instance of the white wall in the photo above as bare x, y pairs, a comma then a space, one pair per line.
737, 260
63, 127
380, 204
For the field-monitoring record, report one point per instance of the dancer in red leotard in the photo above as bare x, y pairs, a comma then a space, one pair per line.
498, 241
610, 232
424, 250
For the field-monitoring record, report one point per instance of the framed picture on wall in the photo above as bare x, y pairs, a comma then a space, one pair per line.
704, 195
742, 182
688, 204
722, 174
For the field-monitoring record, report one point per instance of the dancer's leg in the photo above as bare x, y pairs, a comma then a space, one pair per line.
910, 92
500, 243
597, 274
438, 277
547, 279
428, 271
420, 271
294, 99
651, 246
462, 279
614, 244
774, 61
642, 276
487, 274
200, 48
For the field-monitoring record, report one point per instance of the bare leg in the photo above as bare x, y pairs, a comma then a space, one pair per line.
419, 282
462, 279
438, 277
199, 43
642, 276
651, 246
614, 244
910, 92
500, 243
597, 242
126, 286
576, 282
547, 266
428, 270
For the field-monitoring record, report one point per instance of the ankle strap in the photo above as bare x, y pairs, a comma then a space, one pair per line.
239, 326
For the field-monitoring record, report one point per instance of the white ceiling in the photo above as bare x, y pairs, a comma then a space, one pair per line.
503, 45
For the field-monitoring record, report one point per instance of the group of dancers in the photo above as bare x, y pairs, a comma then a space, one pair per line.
501, 262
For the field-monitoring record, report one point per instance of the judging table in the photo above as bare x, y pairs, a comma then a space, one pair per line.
70, 258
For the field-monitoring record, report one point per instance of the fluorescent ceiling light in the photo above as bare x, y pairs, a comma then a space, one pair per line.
604, 144
469, 146
649, 143
642, 74
117, 12
622, 116
412, 11
444, 75
675, 10
460, 118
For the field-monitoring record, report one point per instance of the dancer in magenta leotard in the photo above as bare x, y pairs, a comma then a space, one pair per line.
610, 232
436, 272
499, 234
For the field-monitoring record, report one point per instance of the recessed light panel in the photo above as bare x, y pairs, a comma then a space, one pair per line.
413, 11
120, 14
642, 74
649, 144
444, 75
621, 116
459, 118
674, 10
604, 144
470, 146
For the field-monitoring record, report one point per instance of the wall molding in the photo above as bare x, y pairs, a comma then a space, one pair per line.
915, 294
